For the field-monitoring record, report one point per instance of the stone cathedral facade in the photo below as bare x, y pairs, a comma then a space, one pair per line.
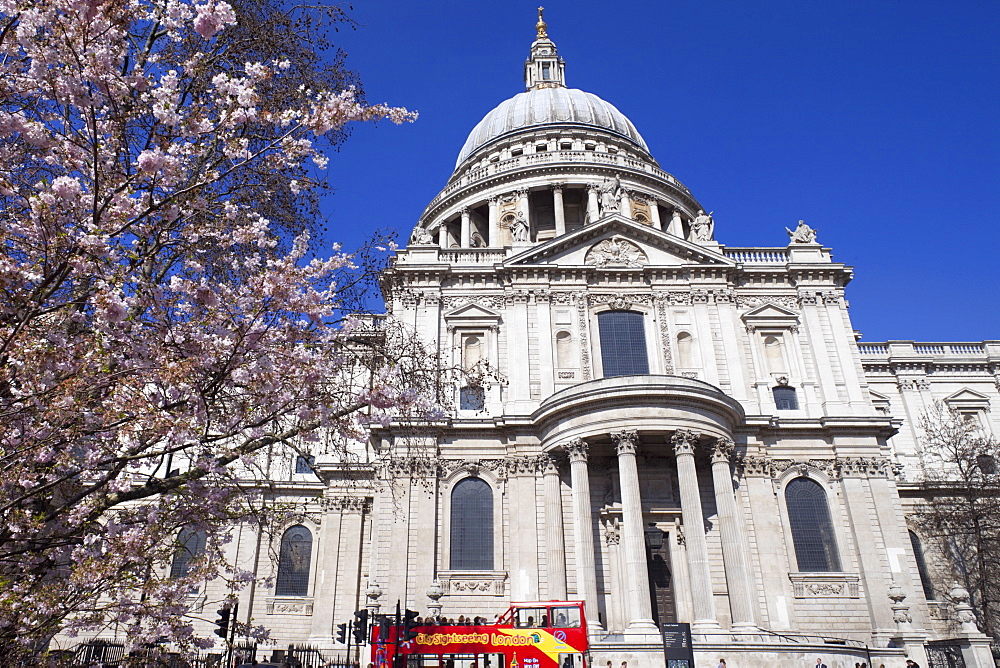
664, 427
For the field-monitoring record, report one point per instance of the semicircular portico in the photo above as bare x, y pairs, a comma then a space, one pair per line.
647, 404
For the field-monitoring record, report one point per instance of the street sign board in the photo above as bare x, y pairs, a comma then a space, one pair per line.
677, 648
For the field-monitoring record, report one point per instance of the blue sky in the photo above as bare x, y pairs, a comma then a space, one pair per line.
878, 122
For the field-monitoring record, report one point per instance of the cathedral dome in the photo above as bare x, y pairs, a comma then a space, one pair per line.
547, 106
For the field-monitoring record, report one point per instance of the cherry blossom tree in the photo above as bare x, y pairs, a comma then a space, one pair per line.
164, 321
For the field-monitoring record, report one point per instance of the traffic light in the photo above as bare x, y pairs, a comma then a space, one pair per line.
383, 628
222, 623
342, 633
361, 634
409, 625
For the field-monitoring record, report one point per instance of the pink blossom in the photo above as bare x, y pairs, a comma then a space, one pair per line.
212, 17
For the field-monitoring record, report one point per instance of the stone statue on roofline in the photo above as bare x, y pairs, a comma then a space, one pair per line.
519, 228
420, 236
803, 234
611, 192
702, 226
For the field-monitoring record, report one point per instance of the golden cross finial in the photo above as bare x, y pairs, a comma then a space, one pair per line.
540, 26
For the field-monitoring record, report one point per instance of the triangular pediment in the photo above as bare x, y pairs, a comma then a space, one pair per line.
967, 398
472, 312
616, 242
770, 310
770, 316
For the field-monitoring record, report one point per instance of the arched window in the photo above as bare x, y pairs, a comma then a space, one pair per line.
812, 530
472, 526
294, 559
685, 351
925, 576
623, 343
785, 398
190, 544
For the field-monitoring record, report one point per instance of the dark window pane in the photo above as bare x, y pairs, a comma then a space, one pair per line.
623, 343
472, 398
925, 577
293, 562
304, 464
785, 399
812, 530
190, 544
472, 526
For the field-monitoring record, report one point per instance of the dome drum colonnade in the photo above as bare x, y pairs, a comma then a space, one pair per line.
546, 162
689, 416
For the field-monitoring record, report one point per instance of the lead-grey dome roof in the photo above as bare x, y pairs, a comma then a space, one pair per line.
543, 106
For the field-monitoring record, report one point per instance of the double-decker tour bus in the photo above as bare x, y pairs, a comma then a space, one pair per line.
542, 634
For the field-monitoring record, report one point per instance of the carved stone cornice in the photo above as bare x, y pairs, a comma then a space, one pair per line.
521, 466
753, 301
626, 441
619, 301
577, 449
684, 442
756, 467
346, 504
834, 468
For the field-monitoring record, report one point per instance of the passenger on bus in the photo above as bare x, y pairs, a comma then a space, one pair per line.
561, 620
545, 621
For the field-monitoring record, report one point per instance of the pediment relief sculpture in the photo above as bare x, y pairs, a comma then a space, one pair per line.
616, 252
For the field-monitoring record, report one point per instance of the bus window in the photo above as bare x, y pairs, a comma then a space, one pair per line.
566, 618
529, 618
571, 660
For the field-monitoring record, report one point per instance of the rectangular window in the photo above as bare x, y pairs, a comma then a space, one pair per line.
546, 69
623, 343
785, 399
304, 464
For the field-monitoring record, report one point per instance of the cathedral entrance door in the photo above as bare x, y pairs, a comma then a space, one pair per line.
661, 584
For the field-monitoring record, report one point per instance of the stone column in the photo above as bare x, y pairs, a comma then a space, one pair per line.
555, 547
525, 208
734, 554
494, 232
583, 529
443, 235
466, 240
625, 203
638, 611
592, 210
557, 202
684, 443
676, 226
654, 213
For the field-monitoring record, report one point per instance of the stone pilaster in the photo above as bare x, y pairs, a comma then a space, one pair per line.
738, 575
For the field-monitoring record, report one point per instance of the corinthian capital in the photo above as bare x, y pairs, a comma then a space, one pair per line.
577, 449
684, 442
626, 441
723, 449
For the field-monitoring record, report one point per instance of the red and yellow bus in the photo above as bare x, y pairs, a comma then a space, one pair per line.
542, 634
